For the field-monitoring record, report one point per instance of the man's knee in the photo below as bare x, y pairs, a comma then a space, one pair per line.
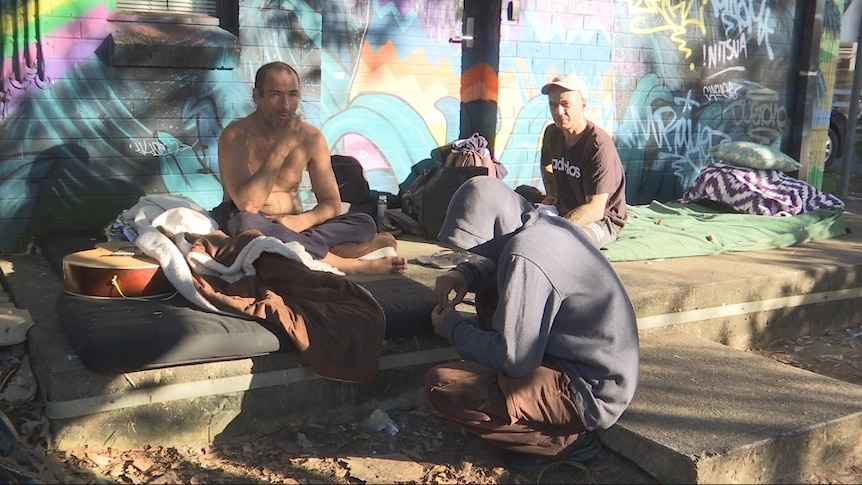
599, 233
458, 374
434, 379
439, 376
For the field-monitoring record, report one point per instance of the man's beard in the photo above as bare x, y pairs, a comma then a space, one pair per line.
278, 120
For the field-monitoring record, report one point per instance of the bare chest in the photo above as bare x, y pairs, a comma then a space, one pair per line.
292, 166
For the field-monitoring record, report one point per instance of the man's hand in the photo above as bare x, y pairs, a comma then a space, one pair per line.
453, 280
438, 315
290, 134
293, 222
592, 211
293, 126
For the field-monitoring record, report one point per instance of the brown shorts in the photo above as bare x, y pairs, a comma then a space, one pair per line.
533, 414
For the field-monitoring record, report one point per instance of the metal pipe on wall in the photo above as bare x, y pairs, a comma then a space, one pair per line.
806, 89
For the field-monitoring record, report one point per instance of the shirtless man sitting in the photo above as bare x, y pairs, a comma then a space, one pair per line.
261, 160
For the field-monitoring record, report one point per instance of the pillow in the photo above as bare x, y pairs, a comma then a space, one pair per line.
754, 155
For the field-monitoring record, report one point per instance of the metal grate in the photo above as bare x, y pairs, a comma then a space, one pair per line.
200, 7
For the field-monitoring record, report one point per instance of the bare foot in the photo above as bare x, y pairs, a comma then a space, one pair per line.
384, 265
380, 240
387, 264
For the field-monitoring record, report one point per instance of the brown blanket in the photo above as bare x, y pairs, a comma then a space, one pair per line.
335, 323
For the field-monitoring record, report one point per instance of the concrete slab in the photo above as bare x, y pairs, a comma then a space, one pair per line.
706, 413
702, 411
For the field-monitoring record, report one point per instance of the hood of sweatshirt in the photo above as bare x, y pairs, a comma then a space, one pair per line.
482, 216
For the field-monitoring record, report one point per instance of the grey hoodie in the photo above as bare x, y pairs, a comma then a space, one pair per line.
561, 302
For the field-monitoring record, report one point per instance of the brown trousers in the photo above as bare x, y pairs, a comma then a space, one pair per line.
534, 414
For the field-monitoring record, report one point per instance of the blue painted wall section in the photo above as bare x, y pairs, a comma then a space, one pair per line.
86, 129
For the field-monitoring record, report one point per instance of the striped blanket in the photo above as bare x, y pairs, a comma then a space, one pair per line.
759, 192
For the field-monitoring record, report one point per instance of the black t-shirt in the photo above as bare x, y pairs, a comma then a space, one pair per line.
591, 166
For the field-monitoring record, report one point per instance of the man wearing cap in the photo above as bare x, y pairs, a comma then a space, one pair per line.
581, 169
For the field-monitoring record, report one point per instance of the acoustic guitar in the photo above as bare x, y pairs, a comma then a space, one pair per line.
114, 270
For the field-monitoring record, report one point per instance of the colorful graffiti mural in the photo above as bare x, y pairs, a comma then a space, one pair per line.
81, 140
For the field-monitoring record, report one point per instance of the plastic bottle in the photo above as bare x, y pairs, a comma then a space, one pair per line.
382, 204
380, 421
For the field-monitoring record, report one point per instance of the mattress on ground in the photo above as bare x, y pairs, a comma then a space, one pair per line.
126, 335
119, 334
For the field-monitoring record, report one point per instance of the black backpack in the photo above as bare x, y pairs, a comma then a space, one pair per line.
428, 197
353, 185
431, 186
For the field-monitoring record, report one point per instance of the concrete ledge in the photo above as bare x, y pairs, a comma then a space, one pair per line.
198, 412
749, 299
705, 413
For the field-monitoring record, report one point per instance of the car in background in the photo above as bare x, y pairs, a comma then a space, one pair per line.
837, 129
841, 95
835, 140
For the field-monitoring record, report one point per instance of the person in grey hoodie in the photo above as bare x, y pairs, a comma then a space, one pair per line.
551, 355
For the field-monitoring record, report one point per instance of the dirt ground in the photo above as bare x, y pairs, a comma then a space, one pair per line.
426, 449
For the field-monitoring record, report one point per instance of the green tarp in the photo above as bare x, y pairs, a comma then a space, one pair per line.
670, 230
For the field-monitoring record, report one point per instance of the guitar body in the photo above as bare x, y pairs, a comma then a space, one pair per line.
114, 270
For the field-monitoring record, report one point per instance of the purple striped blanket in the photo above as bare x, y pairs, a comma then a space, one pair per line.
759, 192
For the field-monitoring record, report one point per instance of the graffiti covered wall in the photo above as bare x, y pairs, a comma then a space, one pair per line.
82, 139
669, 79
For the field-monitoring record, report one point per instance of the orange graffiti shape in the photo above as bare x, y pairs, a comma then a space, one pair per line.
479, 83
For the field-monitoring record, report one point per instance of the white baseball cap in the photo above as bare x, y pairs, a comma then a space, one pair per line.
569, 82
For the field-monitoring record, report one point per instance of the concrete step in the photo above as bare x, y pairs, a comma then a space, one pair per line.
196, 404
706, 413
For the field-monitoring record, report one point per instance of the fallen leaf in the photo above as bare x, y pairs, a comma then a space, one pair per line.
143, 464
100, 460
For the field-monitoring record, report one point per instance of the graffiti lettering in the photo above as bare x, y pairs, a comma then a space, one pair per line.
725, 90
669, 130
156, 148
744, 17
725, 51
687, 102
676, 17
759, 116
679, 138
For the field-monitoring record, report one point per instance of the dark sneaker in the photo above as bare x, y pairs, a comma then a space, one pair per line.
586, 447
